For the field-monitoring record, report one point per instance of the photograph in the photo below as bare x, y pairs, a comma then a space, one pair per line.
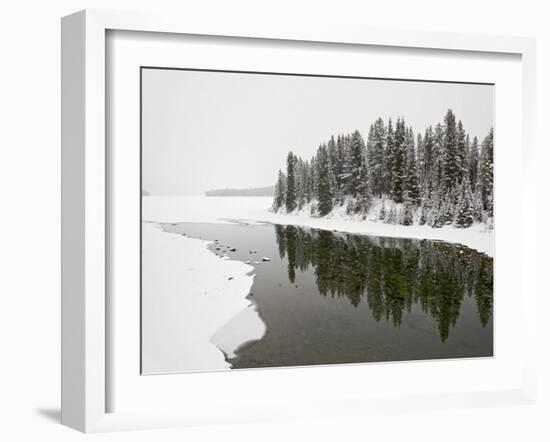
301, 219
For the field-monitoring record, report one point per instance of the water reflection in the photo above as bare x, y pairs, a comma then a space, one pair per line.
391, 274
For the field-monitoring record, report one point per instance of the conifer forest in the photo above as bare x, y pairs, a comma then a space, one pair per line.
440, 177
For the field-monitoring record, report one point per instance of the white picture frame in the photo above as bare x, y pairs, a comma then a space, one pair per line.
85, 214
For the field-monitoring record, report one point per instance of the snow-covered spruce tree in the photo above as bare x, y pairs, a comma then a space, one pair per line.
313, 178
332, 150
436, 175
398, 161
407, 212
339, 168
280, 192
303, 193
433, 217
473, 162
423, 215
299, 184
375, 156
324, 188
466, 166
365, 194
306, 179
438, 209
420, 166
448, 206
334, 160
290, 200
464, 206
477, 206
451, 160
425, 164
356, 163
411, 188
382, 213
486, 173
346, 165
428, 206
392, 215
359, 176
332, 182
460, 152
388, 159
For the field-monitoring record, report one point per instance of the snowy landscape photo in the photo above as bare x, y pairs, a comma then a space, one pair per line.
301, 220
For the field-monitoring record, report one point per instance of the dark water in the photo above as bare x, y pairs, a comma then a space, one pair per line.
329, 297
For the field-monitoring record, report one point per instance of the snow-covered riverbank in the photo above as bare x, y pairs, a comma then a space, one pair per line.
255, 209
189, 304
193, 313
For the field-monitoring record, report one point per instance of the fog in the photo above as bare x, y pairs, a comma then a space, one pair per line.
208, 130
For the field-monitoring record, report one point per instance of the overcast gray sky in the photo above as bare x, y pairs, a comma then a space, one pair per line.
208, 130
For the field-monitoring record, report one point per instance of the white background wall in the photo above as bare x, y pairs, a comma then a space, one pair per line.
30, 221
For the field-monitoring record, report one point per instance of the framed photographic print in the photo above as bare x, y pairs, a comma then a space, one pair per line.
296, 218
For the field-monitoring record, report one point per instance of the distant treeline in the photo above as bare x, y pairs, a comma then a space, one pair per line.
257, 191
440, 177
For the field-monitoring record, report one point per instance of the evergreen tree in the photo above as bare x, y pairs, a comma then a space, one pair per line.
375, 154
467, 159
333, 160
307, 180
477, 206
280, 192
359, 175
290, 200
423, 215
357, 164
420, 163
447, 208
389, 159
451, 160
460, 152
398, 160
382, 213
436, 209
465, 205
427, 161
392, 215
365, 195
407, 215
300, 184
313, 178
438, 159
324, 188
339, 168
346, 183
411, 189
486, 173
473, 162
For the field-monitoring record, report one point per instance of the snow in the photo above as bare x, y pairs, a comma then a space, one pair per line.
195, 305
190, 306
176, 208
245, 327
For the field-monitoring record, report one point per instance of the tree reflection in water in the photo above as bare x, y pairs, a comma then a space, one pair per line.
392, 274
